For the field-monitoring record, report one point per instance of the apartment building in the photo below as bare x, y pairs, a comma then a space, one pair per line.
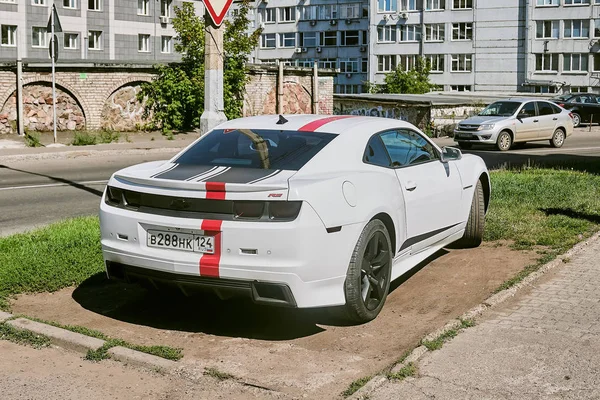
331, 33
137, 31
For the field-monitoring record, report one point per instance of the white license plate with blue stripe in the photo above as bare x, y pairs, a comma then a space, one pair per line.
181, 241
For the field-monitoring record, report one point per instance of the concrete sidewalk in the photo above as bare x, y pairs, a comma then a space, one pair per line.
543, 344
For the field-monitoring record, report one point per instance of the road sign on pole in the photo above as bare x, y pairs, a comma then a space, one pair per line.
54, 26
217, 9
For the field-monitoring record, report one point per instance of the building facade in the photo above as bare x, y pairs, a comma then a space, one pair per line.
138, 31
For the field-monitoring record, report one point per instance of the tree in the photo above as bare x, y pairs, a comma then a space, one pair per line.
414, 81
175, 97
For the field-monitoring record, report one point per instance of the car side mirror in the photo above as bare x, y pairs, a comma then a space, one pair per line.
450, 154
520, 116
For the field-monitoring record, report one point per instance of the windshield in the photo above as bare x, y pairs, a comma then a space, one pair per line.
500, 109
256, 148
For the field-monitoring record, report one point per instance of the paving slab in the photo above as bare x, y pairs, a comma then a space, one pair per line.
58, 336
4, 316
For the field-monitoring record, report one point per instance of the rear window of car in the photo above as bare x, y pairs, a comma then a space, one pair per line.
256, 148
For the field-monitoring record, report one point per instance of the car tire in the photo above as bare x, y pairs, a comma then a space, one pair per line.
558, 138
504, 141
576, 120
465, 145
363, 302
476, 223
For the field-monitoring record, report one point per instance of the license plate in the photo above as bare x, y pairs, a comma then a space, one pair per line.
181, 241
465, 136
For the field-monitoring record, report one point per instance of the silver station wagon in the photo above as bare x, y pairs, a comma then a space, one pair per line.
507, 122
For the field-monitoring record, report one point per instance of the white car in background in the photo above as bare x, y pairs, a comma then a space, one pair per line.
298, 210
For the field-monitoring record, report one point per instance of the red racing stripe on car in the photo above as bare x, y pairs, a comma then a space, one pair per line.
215, 190
209, 263
313, 126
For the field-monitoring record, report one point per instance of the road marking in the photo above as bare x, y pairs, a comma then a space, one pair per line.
54, 185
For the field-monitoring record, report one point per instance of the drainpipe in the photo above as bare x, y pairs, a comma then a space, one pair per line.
422, 50
526, 44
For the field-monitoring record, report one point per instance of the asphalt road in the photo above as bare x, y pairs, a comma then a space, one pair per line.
35, 193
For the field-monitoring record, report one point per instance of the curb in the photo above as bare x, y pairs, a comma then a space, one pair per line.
82, 344
494, 300
72, 153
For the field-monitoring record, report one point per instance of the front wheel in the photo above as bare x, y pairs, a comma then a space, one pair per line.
476, 223
504, 141
558, 138
368, 277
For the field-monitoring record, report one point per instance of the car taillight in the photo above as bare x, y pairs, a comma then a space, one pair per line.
571, 115
284, 210
114, 196
561, 104
248, 209
132, 199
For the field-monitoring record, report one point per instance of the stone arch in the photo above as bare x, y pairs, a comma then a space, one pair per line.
297, 99
62, 86
127, 82
121, 109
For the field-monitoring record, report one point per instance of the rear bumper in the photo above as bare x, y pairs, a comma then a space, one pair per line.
299, 255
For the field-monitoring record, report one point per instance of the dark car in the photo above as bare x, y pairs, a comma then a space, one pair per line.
585, 107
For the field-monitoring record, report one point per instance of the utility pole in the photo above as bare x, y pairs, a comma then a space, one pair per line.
53, 56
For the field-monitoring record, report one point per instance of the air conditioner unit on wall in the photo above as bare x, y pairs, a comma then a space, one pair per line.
363, 48
298, 50
403, 15
318, 49
313, 22
333, 22
164, 19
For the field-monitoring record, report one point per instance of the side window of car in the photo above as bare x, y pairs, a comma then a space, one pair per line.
577, 99
528, 110
557, 109
375, 153
407, 147
545, 108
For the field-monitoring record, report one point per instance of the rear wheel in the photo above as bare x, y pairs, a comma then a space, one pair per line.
504, 141
368, 277
558, 138
476, 222
465, 145
576, 120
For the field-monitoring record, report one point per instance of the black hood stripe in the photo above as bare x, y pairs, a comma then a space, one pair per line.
210, 171
241, 175
266, 177
218, 172
165, 171
183, 172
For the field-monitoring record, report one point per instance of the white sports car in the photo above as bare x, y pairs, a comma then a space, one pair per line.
296, 210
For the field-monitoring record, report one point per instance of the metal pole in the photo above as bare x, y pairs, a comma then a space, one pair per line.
591, 122
53, 72
315, 93
20, 122
280, 89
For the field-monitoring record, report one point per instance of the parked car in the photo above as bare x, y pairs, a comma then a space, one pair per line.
506, 122
585, 107
297, 211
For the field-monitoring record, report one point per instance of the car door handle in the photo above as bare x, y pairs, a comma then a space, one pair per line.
411, 185
536, 120
554, 119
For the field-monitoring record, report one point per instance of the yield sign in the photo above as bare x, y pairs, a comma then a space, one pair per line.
217, 9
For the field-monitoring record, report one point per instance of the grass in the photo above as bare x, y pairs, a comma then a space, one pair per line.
438, 342
108, 136
84, 139
409, 369
354, 386
20, 336
215, 373
32, 140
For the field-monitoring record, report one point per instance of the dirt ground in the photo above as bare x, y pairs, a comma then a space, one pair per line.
302, 353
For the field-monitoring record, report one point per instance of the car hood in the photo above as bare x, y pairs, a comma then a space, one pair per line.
478, 120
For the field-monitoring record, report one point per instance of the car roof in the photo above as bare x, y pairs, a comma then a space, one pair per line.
524, 99
336, 124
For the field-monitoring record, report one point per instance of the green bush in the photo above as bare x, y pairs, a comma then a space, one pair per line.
84, 139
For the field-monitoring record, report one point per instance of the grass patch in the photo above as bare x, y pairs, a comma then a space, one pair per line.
438, 342
20, 336
354, 386
108, 136
409, 369
32, 140
215, 373
84, 139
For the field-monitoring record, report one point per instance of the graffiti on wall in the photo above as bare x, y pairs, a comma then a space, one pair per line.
377, 111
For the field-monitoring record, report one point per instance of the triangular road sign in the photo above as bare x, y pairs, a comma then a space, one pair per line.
57, 25
217, 9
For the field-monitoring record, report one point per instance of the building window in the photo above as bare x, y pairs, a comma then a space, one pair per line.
547, 2
95, 5
268, 15
327, 63
347, 89
38, 2
143, 7
328, 11
462, 31
461, 62
434, 32
576, 2
287, 39
431, 5
71, 41
70, 3
436, 62
268, 41
575, 62
387, 5
328, 38
597, 28
409, 5
577, 28
306, 63
460, 88
39, 37
596, 65
544, 89
546, 62
287, 14
546, 30
349, 11
349, 65
386, 33
308, 13
406, 62
9, 35
166, 44
410, 33
579, 89
95, 40
462, 4
165, 8
308, 39
143, 43
349, 38
386, 63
